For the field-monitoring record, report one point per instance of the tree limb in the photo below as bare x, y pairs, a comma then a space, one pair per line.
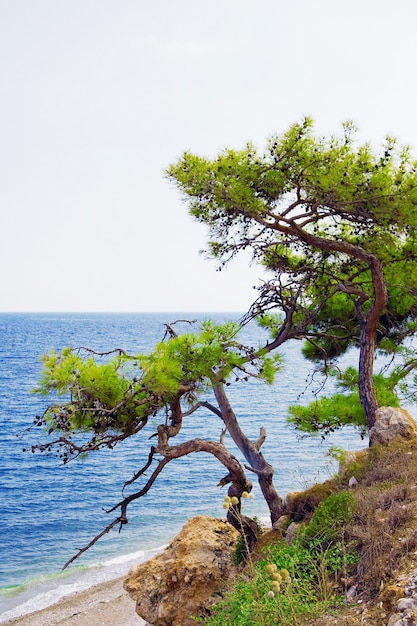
141, 471
93, 541
236, 473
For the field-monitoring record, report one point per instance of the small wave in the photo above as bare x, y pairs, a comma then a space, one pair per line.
11, 589
140, 554
40, 601
43, 591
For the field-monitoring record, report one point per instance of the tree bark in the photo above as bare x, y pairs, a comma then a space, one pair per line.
365, 375
369, 327
251, 452
236, 476
368, 320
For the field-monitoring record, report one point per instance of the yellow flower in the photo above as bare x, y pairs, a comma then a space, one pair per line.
285, 575
226, 505
234, 500
227, 499
276, 586
277, 576
271, 568
245, 494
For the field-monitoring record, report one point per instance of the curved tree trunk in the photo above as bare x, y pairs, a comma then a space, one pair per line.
246, 526
251, 452
368, 320
236, 476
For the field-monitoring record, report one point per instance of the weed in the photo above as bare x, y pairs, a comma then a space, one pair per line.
301, 505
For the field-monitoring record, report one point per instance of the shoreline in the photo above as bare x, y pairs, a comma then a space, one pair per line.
104, 604
81, 596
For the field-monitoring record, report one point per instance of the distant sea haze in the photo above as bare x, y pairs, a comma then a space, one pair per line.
50, 510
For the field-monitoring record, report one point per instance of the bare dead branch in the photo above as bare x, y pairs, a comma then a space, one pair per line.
236, 474
141, 471
91, 351
225, 480
258, 472
93, 541
170, 330
222, 435
123, 504
105, 441
211, 408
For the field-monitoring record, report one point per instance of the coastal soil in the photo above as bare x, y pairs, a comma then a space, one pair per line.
106, 604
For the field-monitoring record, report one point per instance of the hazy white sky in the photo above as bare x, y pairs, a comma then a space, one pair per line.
97, 97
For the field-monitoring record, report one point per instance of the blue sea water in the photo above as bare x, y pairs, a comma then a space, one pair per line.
49, 510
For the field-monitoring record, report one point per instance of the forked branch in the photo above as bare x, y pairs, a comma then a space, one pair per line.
236, 476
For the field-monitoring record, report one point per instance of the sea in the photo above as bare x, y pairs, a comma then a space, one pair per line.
49, 510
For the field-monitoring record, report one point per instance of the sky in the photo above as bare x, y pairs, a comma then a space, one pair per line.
98, 97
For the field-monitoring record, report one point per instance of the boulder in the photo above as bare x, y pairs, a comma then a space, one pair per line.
392, 424
292, 532
176, 585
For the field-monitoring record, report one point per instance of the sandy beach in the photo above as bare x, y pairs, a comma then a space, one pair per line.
106, 604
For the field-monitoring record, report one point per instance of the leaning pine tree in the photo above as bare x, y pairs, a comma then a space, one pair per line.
334, 224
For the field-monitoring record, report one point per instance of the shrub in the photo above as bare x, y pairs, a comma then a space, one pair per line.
329, 520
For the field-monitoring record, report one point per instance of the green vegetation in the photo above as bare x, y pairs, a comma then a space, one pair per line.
326, 527
356, 539
294, 581
257, 600
105, 398
326, 414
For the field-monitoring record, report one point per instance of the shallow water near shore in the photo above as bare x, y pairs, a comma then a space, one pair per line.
49, 510
46, 590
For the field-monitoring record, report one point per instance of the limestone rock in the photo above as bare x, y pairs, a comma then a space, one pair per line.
395, 620
392, 423
177, 584
282, 523
292, 531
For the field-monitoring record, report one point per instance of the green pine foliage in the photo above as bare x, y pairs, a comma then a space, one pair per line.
326, 414
115, 394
